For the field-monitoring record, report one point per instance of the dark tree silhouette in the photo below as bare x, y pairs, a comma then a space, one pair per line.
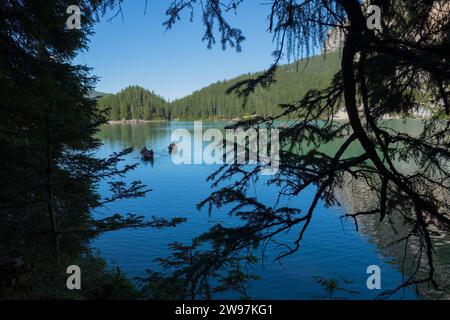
47, 127
49, 174
401, 69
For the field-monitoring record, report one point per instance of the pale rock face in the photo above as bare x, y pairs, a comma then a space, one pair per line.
438, 16
336, 37
335, 40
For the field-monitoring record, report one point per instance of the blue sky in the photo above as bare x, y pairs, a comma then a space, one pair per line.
173, 63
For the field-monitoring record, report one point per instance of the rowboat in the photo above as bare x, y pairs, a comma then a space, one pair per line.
147, 155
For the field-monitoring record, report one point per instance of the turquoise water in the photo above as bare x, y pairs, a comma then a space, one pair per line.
331, 249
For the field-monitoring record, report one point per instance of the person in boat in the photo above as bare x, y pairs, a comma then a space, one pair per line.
172, 146
144, 150
147, 153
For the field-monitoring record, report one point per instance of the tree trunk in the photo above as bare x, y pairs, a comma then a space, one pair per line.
50, 208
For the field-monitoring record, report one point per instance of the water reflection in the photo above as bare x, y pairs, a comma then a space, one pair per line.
328, 251
356, 196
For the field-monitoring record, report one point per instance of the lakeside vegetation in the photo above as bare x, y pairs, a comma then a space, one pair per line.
54, 179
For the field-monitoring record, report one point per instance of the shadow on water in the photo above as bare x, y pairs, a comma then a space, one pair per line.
332, 251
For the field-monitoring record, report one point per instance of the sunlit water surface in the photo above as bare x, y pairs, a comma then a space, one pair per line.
331, 249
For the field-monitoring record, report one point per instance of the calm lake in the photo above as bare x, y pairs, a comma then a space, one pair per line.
331, 248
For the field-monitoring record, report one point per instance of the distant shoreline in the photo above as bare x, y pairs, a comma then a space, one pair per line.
140, 121
340, 116
133, 121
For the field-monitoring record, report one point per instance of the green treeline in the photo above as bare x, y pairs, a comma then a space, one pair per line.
134, 102
50, 171
212, 102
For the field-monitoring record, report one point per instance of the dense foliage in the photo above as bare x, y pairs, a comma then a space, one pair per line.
399, 68
214, 102
49, 176
134, 103
48, 125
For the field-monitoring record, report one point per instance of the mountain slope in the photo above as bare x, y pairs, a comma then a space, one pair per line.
212, 102
293, 81
134, 102
96, 94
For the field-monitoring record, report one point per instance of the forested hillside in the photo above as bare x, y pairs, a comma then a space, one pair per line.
212, 102
134, 103
293, 81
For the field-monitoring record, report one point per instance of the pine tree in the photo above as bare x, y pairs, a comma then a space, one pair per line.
47, 136
398, 68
